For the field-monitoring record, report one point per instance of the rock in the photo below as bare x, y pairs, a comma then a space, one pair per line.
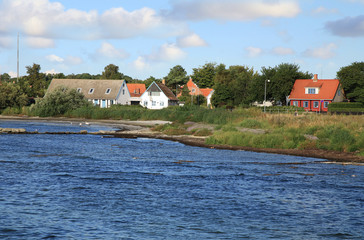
12, 130
310, 137
83, 131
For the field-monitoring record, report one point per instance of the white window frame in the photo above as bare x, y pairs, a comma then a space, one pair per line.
316, 104
311, 91
154, 103
326, 104
162, 104
108, 91
91, 91
79, 90
305, 104
295, 103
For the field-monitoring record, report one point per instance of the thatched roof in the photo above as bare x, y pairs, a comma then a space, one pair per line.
102, 89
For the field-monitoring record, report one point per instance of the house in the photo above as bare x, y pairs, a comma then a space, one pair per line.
195, 90
158, 96
135, 92
103, 93
316, 94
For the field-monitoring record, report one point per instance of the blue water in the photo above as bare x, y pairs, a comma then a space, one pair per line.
94, 187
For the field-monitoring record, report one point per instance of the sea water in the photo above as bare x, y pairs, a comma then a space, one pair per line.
97, 187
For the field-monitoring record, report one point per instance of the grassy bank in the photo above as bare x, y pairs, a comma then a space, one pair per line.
244, 127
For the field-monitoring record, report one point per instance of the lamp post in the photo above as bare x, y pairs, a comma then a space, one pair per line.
265, 92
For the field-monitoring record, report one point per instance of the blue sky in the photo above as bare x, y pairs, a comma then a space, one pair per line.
147, 38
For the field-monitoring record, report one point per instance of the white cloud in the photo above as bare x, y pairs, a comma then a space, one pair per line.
54, 58
38, 42
324, 52
233, 10
282, 51
323, 10
253, 51
140, 63
167, 52
192, 40
108, 50
51, 72
5, 42
12, 74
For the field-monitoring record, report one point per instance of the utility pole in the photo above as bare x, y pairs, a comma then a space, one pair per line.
17, 66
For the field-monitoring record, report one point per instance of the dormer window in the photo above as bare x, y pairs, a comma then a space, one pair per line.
108, 91
91, 91
79, 90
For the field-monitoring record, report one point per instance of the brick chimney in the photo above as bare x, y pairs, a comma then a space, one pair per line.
315, 78
163, 81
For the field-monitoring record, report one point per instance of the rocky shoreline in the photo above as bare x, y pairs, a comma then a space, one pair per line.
138, 129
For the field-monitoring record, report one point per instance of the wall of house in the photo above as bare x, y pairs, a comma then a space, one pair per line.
154, 102
123, 96
311, 105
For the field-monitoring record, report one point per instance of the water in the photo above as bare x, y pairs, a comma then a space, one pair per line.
94, 187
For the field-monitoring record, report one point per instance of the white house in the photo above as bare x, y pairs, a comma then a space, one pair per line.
103, 93
158, 96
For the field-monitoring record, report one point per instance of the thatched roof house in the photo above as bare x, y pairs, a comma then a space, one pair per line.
101, 92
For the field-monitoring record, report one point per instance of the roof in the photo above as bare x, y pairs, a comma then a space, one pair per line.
136, 89
191, 84
100, 87
328, 89
206, 91
168, 92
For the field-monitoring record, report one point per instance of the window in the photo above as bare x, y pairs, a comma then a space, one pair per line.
326, 104
79, 90
305, 104
91, 91
154, 103
154, 93
162, 104
316, 104
111, 102
295, 103
145, 103
108, 91
96, 102
338, 92
123, 91
312, 91
193, 90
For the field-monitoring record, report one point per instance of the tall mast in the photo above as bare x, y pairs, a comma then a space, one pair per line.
17, 66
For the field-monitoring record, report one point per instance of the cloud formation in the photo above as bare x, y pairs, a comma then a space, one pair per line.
108, 50
347, 27
324, 52
232, 10
192, 40
253, 51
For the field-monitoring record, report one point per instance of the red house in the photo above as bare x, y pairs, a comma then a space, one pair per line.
316, 94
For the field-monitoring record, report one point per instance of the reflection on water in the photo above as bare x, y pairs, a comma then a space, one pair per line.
86, 186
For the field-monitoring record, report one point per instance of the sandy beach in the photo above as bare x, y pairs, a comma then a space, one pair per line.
136, 129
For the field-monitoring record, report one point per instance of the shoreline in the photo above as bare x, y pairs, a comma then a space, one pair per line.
141, 129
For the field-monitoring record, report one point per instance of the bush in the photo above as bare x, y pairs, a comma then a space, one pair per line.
345, 107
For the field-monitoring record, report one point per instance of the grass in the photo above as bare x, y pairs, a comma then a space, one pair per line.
285, 130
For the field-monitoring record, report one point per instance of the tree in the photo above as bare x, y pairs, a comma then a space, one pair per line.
204, 76
59, 102
5, 77
177, 76
111, 71
36, 80
352, 80
282, 79
150, 80
12, 96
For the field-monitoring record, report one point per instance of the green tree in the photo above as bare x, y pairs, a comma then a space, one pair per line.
37, 81
177, 76
11, 95
204, 76
111, 71
282, 79
150, 80
5, 77
352, 81
59, 102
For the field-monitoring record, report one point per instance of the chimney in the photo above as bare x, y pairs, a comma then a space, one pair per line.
163, 81
315, 78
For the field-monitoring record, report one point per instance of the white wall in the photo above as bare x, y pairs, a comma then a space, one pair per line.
160, 101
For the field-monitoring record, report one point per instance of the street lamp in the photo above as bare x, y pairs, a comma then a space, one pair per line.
265, 92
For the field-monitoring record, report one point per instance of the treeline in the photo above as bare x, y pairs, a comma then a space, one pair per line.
234, 85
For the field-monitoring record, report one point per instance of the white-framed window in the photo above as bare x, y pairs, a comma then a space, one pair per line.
145, 103
326, 104
162, 104
96, 102
154, 103
91, 91
315, 104
312, 91
305, 104
108, 91
79, 90
154, 94
193, 90
295, 103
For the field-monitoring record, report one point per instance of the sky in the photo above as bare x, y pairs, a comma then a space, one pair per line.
147, 38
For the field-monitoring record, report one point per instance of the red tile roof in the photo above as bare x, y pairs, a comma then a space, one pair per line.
136, 89
206, 91
327, 89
